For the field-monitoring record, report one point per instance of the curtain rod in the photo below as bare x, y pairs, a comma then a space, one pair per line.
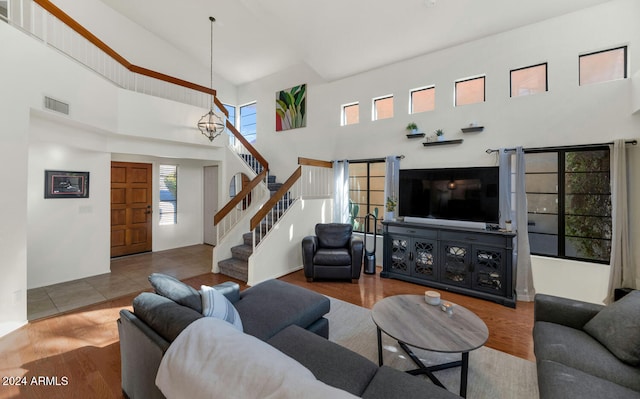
566, 147
370, 159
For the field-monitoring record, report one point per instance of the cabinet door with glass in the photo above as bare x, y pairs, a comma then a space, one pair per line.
455, 263
424, 258
489, 270
400, 254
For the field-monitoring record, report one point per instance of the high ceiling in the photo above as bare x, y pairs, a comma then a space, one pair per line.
335, 38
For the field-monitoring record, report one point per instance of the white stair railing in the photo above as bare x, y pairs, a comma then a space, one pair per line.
307, 181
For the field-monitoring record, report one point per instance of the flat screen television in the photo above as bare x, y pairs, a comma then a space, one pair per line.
466, 194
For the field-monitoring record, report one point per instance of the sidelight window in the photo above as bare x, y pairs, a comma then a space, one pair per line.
168, 194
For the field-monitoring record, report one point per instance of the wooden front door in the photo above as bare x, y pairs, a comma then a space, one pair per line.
130, 208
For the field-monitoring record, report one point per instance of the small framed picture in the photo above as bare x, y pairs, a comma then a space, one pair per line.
62, 184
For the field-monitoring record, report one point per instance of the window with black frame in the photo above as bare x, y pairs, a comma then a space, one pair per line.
366, 193
569, 203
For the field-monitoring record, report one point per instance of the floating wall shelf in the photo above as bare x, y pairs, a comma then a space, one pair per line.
472, 129
415, 135
430, 143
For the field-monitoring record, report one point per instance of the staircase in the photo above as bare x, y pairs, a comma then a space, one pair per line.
238, 265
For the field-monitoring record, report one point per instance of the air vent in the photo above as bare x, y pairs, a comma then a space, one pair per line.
55, 105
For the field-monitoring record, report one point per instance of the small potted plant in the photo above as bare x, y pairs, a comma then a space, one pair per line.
390, 208
412, 127
440, 134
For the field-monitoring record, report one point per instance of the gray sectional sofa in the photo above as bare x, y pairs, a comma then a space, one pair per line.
287, 317
585, 350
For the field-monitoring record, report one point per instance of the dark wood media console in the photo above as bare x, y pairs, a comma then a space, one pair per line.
474, 262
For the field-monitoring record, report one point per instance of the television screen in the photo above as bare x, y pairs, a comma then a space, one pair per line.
469, 194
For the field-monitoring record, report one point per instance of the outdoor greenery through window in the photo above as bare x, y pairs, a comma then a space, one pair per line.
569, 203
529, 80
603, 66
350, 114
168, 194
382, 108
248, 122
422, 100
366, 194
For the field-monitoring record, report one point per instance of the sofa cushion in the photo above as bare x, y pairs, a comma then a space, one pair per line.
176, 290
211, 359
332, 257
329, 362
215, 304
617, 327
163, 315
557, 380
577, 349
272, 305
333, 235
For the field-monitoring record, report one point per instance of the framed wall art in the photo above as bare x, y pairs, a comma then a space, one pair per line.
291, 108
63, 184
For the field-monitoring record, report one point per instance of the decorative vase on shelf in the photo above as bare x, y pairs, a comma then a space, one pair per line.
389, 216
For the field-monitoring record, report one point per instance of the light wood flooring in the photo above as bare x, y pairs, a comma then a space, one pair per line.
76, 354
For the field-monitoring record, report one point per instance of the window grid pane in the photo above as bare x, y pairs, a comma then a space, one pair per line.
383, 108
603, 66
529, 80
168, 185
470, 91
423, 100
366, 193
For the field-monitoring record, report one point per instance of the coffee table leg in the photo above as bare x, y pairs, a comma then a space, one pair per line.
379, 347
464, 371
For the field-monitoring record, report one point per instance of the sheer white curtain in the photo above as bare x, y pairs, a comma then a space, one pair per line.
524, 275
341, 191
622, 269
504, 163
391, 181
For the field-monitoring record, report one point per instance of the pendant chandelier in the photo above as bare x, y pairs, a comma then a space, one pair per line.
211, 125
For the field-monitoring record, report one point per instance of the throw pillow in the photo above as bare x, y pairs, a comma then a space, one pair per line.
617, 327
215, 304
176, 290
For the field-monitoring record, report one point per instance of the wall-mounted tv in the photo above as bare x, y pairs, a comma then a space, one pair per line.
467, 194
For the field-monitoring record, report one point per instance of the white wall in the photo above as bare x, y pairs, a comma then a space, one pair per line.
566, 114
13, 201
280, 252
67, 238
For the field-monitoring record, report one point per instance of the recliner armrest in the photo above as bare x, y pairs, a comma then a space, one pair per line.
309, 248
564, 311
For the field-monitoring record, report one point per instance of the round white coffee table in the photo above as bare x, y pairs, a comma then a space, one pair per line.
412, 322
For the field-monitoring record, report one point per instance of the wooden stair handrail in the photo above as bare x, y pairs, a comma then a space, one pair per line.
268, 206
247, 145
82, 31
314, 162
239, 197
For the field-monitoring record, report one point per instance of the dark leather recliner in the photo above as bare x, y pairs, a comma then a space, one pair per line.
333, 253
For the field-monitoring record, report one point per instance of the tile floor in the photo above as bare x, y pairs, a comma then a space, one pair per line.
128, 275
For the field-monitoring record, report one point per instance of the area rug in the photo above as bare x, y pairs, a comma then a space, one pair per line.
492, 374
